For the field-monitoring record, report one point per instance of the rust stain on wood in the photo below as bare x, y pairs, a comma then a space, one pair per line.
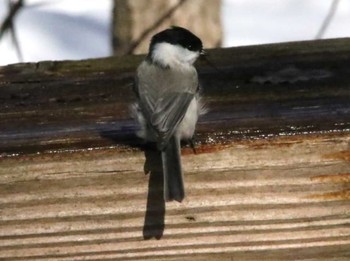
335, 178
336, 195
205, 148
342, 155
343, 178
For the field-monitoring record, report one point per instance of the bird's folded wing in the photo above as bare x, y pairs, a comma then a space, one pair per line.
168, 112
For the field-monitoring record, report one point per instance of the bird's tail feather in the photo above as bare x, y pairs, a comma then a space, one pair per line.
173, 180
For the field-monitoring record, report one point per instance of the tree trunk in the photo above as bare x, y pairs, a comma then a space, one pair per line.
134, 22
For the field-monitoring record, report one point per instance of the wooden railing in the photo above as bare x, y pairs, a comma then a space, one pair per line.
270, 179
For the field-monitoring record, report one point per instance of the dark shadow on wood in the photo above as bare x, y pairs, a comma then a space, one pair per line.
155, 211
155, 208
122, 135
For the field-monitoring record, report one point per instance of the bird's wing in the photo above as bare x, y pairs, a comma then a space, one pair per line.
164, 98
168, 113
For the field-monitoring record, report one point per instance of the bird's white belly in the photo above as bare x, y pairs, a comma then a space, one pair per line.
188, 124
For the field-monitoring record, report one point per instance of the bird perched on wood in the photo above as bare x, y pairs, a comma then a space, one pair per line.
168, 102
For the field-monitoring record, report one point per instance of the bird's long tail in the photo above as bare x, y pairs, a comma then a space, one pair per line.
173, 180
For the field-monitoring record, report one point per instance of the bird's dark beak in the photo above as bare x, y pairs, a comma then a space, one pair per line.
202, 53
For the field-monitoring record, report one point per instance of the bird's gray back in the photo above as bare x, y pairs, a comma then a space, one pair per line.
157, 81
164, 96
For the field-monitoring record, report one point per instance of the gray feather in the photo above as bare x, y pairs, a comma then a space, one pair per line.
168, 114
164, 96
173, 180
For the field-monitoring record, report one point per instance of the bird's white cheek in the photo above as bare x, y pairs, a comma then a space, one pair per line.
188, 124
189, 57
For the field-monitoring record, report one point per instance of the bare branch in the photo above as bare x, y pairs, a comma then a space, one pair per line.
16, 43
8, 22
327, 19
8, 25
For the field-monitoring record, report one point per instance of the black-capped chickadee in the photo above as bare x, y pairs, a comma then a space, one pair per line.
168, 103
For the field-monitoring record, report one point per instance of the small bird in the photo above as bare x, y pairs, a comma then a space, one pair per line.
168, 102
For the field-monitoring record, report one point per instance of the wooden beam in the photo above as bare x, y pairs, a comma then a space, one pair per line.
270, 180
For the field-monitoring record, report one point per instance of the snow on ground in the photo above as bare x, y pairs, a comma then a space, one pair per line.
59, 30
80, 29
248, 22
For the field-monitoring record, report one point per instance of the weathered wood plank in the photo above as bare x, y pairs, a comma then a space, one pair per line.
261, 90
270, 180
286, 194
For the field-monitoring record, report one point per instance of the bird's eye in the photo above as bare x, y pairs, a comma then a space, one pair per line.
189, 47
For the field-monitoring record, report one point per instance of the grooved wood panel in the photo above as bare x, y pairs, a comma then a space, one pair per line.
270, 179
281, 199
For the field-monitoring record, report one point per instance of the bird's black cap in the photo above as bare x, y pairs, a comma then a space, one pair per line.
178, 36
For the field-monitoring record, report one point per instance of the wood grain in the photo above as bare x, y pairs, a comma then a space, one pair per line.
270, 179
244, 202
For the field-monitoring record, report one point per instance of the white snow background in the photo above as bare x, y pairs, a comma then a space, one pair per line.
80, 29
